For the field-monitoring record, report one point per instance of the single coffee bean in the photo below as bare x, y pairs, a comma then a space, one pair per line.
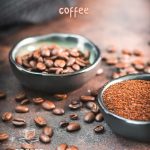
25, 101
59, 63
73, 126
33, 64
18, 122
71, 61
139, 67
48, 105
138, 52
19, 60
48, 63
36, 54
73, 116
3, 137
2, 94
75, 106
48, 131
126, 52
99, 117
7, 116
72, 147
21, 109
94, 93
27, 146
58, 111
147, 69
62, 146
111, 61
40, 121
76, 67
20, 96
38, 100
74, 53
91, 105
44, 138
89, 117
99, 129
45, 52
95, 109
86, 98
63, 123
61, 96
40, 66
81, 64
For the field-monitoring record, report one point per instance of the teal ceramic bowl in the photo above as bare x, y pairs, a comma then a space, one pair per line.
53, 83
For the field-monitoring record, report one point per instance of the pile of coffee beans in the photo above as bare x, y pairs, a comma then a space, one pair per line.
129, 99
54, 59
126, 61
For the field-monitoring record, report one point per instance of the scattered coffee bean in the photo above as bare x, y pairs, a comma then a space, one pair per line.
86, 98
94, 93
99, 117
139, 67
48, 131
58, 111
63, 123
7, 116
29, 135
3, 137
18, 122
38, 100
95, 109
21, 109
72, 147
20, 96
73, 116
48, 105
40, 121
25, 101
90, 105
74, 105
89, 117
61, 96
73, 126
2, 94
62, 146
44, 138
27, 146
99, 129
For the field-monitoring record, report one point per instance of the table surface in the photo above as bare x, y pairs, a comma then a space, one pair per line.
123, 23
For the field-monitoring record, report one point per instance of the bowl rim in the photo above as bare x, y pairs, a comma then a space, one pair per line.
114, 81
40, 37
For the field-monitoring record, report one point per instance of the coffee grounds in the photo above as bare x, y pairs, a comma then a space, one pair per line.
129, 99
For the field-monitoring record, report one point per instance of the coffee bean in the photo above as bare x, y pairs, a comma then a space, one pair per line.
139, 67
95, 109
138, 62
40, 121
86, 54
63, 123
18, 122
59, 70
3, 137
73, 126
19, 60
112, 61
89, 117
99, 71
73, 116
10, 148
122, 65
126, 52
30, 134
75, 105
80, 63
48, 62
48, 105
21, 109
99, 129
45, 52
61, 96
20, 96
99, 117
25, 101
72, 147
7, 116
48, 131
147, 69
94, 93
74, 53
58, 111
62, 146
116, 75
44, 138
87, 98
2, 94
90, 105
40, 66
38, 100
59, 63
138, 52
71, 61
76, 67
27, 147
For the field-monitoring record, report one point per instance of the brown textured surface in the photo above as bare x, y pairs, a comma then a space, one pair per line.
124, 23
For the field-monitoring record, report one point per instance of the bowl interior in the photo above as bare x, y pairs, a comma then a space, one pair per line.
64, 40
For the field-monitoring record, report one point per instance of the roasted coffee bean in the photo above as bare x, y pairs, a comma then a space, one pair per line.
122, 65
3, 137
44, 138
86, 54
21, 109
71, 61
2, 94
73, 126
10, 148
48, 105
40, 66
147, 69
138, 52
126, 52
61, 96
99, 129
18, 122
19, 60
62, 146
38, 100
112, 61
86, 98
20, 96
63, 123
58, 111
80, 63
139, 67
45, 52
40, 121
99, 71
74, 53
72, 147
89, 117
73, 116
75, 105
27, 146
30, 134
48, 131
116, 75
95, 109
36, 54
138, 62
90, 105
59, 63
99, 117
76, 67
32, 64
59, 70
7, 116
25, 101
48, 62
94, 93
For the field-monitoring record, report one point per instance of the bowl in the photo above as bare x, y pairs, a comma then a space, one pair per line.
136, 130
53, 83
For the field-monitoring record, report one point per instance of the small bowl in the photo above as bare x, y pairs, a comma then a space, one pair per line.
53, 83
137, 130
